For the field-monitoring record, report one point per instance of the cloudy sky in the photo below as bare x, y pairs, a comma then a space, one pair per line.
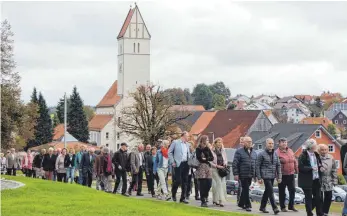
254, 47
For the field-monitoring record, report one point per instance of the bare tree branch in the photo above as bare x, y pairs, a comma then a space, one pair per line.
149, 117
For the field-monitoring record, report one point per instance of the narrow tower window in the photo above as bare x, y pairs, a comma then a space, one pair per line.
138, 47
134, 47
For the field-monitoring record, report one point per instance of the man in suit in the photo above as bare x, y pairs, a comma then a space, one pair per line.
136, 168
87, 165
178, 157
12, 161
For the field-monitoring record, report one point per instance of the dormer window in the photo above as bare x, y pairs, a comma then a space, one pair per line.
134, 47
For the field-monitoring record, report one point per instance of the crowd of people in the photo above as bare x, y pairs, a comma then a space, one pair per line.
202, 165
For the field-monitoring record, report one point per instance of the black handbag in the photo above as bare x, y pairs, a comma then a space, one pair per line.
223, 171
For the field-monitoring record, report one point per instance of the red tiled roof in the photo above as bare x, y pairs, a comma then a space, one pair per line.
111, 97
317, 120
58, 132
187, 108
231, 125
126, 23
305, 98
98, 122
202, 122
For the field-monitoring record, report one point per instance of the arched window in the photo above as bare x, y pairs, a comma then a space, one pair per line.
138, 47
134, 47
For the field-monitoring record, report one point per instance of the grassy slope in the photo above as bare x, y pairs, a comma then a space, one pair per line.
40, 197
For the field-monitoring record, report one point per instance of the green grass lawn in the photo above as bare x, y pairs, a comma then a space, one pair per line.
39, 197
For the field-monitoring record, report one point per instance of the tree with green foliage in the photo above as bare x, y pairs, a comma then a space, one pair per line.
34, 98
219, 88
203, 96
188, 96
332, 130
44, 132
56, 121
60, 108
218, 102
11, 105
176, 95
88, 110
77, 120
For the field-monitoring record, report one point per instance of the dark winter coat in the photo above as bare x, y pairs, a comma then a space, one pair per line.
244, 163
48, 163
268, 165
305, 178
120, 158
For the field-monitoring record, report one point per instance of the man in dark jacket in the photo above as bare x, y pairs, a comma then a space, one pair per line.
120, 161
310, 176
87, 165
268, 168
244, 170
147, 154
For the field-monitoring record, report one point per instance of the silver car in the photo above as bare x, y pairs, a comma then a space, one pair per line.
340, 194
257, 194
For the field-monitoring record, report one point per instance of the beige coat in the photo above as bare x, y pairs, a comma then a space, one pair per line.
329, 176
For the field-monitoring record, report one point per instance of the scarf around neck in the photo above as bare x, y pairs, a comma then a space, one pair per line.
109, 163
165, 152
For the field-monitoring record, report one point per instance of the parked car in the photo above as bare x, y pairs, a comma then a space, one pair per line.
300, 191
257, 194
298, 199
232, 186
343, 187
254, 185
340, 195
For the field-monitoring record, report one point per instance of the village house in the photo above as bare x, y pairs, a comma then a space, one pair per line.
340, 119
306, 99
334, 109
268, 99
258, 106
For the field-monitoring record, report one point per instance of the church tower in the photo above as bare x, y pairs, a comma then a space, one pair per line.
133, 53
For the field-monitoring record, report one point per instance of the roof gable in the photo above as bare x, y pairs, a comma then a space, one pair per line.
133, 24
111, 97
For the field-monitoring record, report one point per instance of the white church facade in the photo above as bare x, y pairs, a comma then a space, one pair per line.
133, 71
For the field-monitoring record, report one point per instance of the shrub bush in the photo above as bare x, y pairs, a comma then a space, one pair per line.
341, 180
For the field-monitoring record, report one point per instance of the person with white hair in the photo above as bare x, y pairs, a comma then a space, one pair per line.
329, 177
310, 176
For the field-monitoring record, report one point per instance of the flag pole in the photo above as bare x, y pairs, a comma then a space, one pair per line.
65, 117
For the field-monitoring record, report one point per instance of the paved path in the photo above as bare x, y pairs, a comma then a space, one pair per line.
8, 184
230, 206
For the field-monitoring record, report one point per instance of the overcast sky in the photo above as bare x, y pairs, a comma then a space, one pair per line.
254, 47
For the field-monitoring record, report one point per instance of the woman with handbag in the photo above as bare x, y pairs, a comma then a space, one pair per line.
219, 173
204, 172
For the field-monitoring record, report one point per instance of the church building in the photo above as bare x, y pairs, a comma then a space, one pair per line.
133, 71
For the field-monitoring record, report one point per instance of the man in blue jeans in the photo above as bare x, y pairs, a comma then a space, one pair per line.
78, 164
